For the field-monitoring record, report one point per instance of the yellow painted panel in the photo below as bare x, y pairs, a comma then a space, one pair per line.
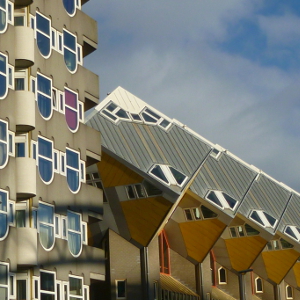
200, 236
278, 263
144, 216
114, 173
243, 251
296, 270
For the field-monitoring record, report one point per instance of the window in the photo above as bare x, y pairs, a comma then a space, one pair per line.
21, 80
44, 96
4, 280
43, 34
71, 110
22, 289
70, 6
3, 144
293, 232
222, 276
21, 214
21, 145
263, 218
222, 200
12, 286
168, 175
198, 213
74, 233
3, 74
47, 285
75, 288
35, 288
73, 170
3, 214
3, 16
278, 245
243, 230
164, 253
258, 285
135, 191
70, 51
289, 292
121, 289
45, 159
46, 225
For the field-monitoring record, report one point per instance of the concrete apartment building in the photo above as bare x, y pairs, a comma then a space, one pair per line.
127, 204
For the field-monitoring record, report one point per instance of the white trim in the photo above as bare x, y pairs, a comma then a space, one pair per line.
11, 212
12, 286
219, 277
286, 292
84, 233
45, 291
74, 231
45, 95
35, 284
80, 297
74, 51
257, 291
64, 227
44, 34
62, 163
57, 225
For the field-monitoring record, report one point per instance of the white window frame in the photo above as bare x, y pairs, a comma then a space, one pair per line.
263, 219
294, 230
6, 213
71, 50
74, 169
23, 205
65, 288
33, 150
11, 211
10, 12
6, 75
11, 139
32, 23
56, 157
117, 281
55, 96
76, 296
219, 276
79, 54
223, 201
13, 288
86, 292
57, 225
35, 280
33, 86
26, 278
76, 232
62, 163
64, 227
50, 36
61, 102
53, 38
45, 95
6, 143
59, 43
6, 285
34, 218
22, 139
80, 111
287, 294
84, 232
44, 291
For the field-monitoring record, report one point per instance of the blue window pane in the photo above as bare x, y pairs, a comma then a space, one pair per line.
73, 180
69, 41
70, 60
3, 225
20, 150
73, 221
43, 24
2, 3
3, 201
72, 159
3, 153
69, 6
45, 148
3, 131
3, 86
45, 169
74, 241
2, 20
46, 235
2, 64
45, 213
43, 43
44, 85
45, 106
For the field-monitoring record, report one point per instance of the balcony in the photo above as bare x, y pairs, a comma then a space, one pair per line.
24, 111
25, 177
24, 47
22, 3
26, 246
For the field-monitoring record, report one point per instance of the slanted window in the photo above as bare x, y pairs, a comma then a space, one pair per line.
46, 225
3, 214
135, 191
71, 110
45, 159
73, 171
44, 96
70, 51
289, 292
222, 275
258, 285
293, 232
193, 214
164, 253
243, 230
168, 175
47, 285
4, 280
74, 233
43, 34
222, 200
263, 218
114, 112
121, 289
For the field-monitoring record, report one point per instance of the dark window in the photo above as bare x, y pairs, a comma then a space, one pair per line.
121, 289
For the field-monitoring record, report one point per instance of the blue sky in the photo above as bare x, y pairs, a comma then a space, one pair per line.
229, 70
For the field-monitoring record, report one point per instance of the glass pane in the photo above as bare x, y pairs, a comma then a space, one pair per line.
45, 213
4, 293
19, 21
196, 212
285, 244
70, 41
73, 221
20, 218
2, 63
240, 231
73, 180
44, 85
3, 153
3, 131
188, 215
257, 218
136, 117
47, 297
43, 43
75, 286
47, 282
21, 290
111, 107
179, 177
164, 123
121, 289
70, 60
69, 6
140, 191
109, 115
20, 149
157, 171
43, 24
3, 85
45, 105
148, 119
72, 159
130, 192
74, 242
3, 201
290, 232
231, 202
233, 232
271, 220
213, 197
122, 114
45, 169
207, 213
3, 225
3, 274
45, 148
250, 230
152, 113
71, 118
151, 189
2, 3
